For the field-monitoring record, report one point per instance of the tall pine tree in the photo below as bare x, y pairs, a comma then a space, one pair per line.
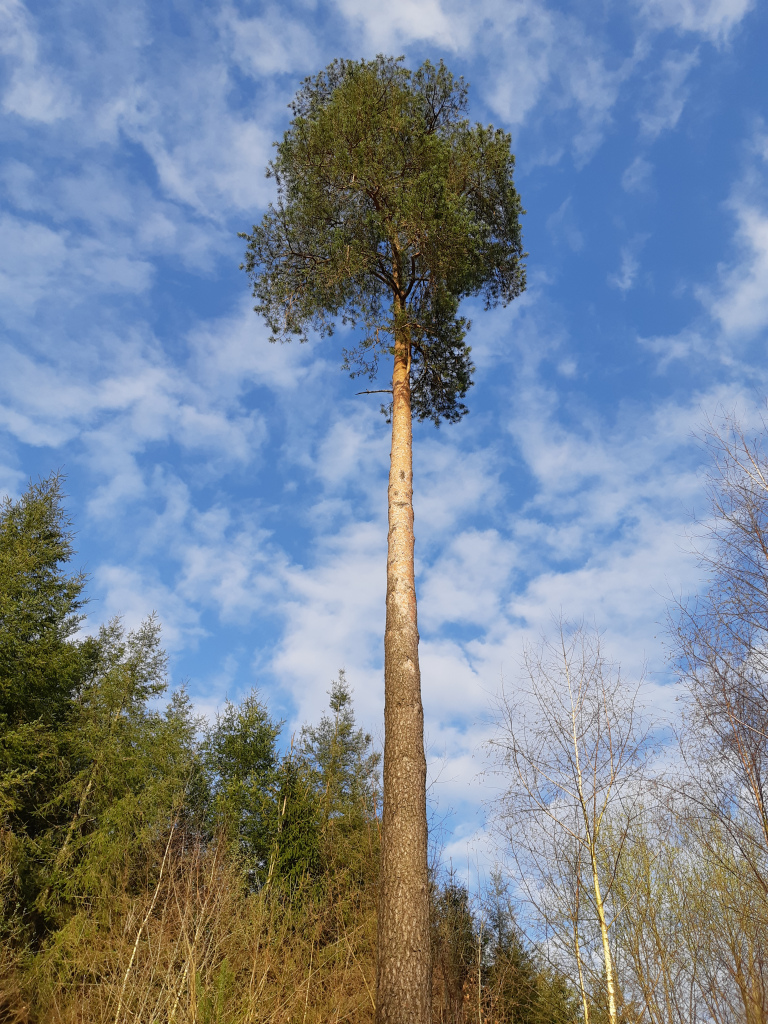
391, 209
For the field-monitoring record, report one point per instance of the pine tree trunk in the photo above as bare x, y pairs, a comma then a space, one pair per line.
403, 982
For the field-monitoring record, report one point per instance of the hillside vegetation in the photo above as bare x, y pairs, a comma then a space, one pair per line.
154, 867
157, 868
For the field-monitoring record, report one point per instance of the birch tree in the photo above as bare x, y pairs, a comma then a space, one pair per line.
391, 208
721, 643
572, 750
692, 934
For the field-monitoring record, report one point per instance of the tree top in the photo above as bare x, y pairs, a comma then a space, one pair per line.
391, 208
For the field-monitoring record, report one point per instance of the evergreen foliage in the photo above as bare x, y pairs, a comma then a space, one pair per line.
454, 945
90, 771
131, 766
144, 856
391, 209
42, 670
296, 854
346, 768
241, 761
342, 755
524, 988
482, 967
41, 665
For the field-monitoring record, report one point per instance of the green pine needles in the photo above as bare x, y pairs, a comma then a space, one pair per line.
391, 209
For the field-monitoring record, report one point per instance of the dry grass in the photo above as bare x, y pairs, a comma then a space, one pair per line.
194, 946
197, 948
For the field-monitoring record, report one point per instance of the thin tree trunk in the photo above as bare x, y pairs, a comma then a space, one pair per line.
607, 959
403, 981
576, 945
591, 831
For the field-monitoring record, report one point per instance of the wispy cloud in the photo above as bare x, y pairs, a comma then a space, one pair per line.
272, 43
240, 487
637, 176
405, 21
668, 94
626, 276
714, 19
740, 301
33, 92
562, 224
735, 302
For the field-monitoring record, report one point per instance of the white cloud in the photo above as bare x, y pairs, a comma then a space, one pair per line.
520, 335
626, 276
32, 92
334, 613
669, 93
613, 511
539, 55
347, 459
595, 88
188, 561
39, 265
403, 21
214, 160
529, 34
119, 396
562, 224
740, 304
228, 564
736, 303
164, 413
231, 352
683, 345
624, 280
121, 213
12, 480
273, 43
463, 585
714, 19
440, 501
133, 595
175, 101
636, 177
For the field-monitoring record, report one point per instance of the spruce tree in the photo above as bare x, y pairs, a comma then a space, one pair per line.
91, 774
43, 666
241, 763
346, 766
41, 601
341, 753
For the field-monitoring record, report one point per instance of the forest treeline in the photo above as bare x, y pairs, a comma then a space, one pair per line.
155, 867
158, 868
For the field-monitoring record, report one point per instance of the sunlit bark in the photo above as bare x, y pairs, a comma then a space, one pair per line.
403, 973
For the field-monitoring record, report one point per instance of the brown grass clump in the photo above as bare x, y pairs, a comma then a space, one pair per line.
14, 1005
198, 948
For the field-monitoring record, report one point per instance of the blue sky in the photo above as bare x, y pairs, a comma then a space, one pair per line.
239, 488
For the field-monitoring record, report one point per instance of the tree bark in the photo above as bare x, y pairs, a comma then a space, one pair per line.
403, 982
577, 947
607, 959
